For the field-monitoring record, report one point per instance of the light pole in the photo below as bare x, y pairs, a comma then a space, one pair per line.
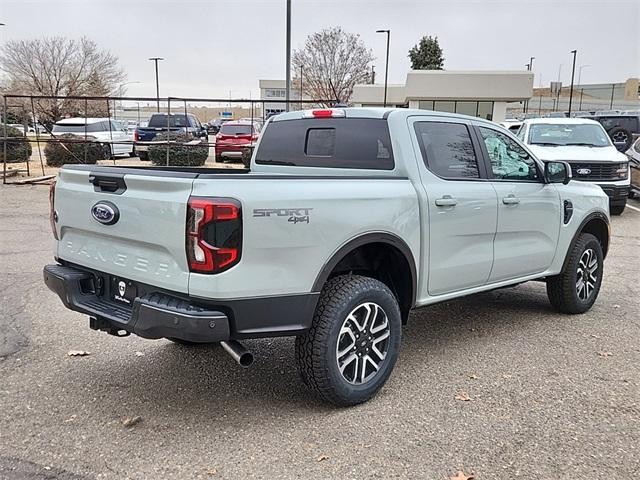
301, 75
386, 66
156, 59
288, 43
573, 71
526, 102
580, 73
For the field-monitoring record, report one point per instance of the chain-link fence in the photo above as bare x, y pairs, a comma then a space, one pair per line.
41, 133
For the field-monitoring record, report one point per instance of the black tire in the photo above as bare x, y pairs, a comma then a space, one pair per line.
143, 156
316, 350
562, 289
187, 343
621, 138
106, 152
617, 209
132, 153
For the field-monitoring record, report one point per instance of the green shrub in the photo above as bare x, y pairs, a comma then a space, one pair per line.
59, 152
18, 148
180, 154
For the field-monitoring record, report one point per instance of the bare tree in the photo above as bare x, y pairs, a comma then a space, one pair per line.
332, 62
58, 66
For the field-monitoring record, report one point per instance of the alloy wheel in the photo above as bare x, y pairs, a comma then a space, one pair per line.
363, 343
587, 274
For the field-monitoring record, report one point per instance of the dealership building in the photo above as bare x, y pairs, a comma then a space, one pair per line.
482, 94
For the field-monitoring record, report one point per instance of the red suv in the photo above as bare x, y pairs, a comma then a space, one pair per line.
233, 139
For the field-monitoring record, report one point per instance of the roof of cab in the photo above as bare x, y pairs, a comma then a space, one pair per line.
560, 121
76, 120
377, 112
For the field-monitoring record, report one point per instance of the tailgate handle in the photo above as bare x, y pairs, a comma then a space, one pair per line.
113, 183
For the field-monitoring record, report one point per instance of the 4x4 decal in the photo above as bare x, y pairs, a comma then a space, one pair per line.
296, 215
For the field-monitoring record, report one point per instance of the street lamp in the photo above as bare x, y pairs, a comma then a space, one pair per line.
580, 73
573, 71
288, 57
386, 66
156, 59
301, 75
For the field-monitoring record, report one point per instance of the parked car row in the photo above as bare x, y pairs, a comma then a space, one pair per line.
162, 122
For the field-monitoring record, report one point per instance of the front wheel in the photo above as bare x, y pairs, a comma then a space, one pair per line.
576, 288
351, 348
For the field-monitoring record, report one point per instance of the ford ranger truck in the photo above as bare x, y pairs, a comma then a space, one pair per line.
346, 221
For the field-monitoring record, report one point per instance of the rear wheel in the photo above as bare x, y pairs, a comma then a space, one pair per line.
106, 152
187, 342
144, 156
351, 348
576, 288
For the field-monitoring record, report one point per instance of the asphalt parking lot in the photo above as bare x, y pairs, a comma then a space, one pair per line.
551, 396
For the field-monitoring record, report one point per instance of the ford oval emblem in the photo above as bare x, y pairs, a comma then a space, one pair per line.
105, 212
583, 171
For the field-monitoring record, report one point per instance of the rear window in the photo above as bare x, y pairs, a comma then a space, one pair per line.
161, 121
227, 129
80, 127
327, 142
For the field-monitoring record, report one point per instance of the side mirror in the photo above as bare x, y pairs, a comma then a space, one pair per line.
557, 172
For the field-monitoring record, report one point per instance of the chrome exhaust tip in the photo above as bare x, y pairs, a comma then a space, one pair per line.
241, 355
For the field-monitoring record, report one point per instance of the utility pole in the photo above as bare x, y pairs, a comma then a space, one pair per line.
386, 67
573, 71
288, 60
155, 60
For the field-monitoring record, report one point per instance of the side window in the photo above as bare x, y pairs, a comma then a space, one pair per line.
509, 161
447, 149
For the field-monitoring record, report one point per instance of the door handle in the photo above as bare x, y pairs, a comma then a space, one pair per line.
446, 201
510, 200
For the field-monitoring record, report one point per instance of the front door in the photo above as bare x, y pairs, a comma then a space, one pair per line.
529, 210
462, 205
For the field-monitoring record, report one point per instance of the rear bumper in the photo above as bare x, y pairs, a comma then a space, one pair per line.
158, 313
155, 315
231, 150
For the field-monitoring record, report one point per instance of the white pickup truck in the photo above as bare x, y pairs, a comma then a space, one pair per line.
347, 220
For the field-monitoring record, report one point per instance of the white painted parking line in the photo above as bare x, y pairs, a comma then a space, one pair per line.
633, 208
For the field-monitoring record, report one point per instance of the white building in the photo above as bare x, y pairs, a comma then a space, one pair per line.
478, 93
276, 90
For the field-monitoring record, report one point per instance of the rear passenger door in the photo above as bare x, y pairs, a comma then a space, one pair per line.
461, 205
529, 213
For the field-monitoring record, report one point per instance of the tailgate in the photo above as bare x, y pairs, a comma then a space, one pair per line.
145, 243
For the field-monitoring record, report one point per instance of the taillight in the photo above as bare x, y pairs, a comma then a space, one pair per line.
136, 137
53, 215
214, 234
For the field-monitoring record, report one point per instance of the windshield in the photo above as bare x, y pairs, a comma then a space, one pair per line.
161, 121
584, 134
230, 129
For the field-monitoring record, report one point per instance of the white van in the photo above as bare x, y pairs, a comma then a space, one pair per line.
112, 136
586, 146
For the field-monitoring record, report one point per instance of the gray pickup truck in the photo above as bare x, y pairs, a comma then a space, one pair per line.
347, 220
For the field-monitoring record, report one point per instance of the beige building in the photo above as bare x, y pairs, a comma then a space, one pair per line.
477, 93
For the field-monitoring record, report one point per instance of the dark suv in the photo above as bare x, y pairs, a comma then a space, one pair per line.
622, 128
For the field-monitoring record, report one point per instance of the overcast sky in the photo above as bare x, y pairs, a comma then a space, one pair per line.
214, 46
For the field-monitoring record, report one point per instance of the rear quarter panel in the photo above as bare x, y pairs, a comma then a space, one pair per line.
280, 257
